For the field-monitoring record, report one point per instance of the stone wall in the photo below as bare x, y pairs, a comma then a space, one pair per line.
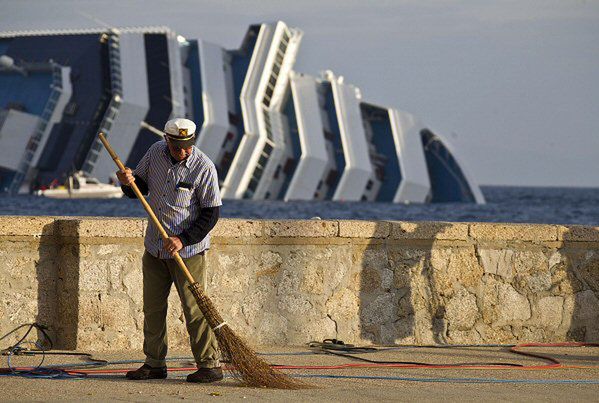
290, 282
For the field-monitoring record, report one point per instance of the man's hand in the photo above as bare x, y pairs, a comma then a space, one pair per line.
172, 245
126, 178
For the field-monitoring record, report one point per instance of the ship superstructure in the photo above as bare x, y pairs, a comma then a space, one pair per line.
272, 132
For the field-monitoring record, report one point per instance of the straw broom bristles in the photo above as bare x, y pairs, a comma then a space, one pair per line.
247, 366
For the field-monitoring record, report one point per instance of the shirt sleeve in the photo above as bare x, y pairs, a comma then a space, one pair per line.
198, 230
208, 191
143, 167
141, 185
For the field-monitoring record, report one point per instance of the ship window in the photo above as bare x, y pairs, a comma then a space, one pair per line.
328, 135
233, 118
289, 165
253, 185
331, 178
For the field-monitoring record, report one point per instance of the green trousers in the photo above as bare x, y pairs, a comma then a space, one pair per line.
158, 276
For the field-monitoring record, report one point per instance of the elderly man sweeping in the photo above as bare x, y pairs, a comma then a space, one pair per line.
183, 191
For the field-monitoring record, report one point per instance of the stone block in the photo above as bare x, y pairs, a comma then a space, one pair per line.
301, 228
269, 264
111, 227
585, 267
511, 306
382, 310
429, 230
464, 337
497, 261
461, 311
550, 311
364, 229
133, 283
513, 232
272, 331
501, 304
453, 268
237, 228
27, 226
491, 334
343, 306
94, 275
534, 283
530, 262
586, 308
370, 280
578, 233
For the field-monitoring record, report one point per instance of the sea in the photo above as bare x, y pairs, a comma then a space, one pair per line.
549, 205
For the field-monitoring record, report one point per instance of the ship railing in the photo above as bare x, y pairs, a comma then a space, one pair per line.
112, 110
40, 130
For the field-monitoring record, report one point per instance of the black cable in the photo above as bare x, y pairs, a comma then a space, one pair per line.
39, 371
340, 349
37, 326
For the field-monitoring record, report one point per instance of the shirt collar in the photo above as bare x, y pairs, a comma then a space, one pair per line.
192, 157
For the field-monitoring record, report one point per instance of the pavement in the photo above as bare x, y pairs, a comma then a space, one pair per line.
577, 379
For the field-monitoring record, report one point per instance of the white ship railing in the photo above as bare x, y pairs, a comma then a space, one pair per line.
40, 130
116, 83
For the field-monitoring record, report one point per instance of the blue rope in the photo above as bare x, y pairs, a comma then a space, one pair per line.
454, 380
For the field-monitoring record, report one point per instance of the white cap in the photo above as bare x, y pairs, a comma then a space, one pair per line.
181, 131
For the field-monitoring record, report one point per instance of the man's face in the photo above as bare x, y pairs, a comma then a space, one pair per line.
178, 153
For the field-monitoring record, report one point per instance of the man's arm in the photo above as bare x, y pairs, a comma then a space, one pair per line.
141, 184
200, 227
140, 176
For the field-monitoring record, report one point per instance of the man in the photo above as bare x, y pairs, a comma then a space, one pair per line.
182, 185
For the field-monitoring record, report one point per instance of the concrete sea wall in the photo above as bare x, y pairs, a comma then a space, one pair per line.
290, 282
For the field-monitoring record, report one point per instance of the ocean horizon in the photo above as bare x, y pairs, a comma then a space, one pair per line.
543, 205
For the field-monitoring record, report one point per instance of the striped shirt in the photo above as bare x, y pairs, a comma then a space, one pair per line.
176, 193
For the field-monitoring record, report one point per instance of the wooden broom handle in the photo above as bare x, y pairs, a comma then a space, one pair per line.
147, 207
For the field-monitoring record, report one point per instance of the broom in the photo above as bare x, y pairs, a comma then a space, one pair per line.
247, 366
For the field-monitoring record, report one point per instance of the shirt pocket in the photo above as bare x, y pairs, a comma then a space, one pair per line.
183, 196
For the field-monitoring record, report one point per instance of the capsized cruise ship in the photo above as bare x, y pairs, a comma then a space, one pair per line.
273, 132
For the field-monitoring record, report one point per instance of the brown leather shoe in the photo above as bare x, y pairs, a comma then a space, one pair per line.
206, 375
147, 372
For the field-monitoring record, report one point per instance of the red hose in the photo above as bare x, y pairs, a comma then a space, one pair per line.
553, 363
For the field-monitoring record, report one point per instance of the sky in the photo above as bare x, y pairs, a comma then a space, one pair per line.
512, 85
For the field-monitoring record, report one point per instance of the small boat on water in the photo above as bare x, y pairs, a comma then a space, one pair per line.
80, 186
